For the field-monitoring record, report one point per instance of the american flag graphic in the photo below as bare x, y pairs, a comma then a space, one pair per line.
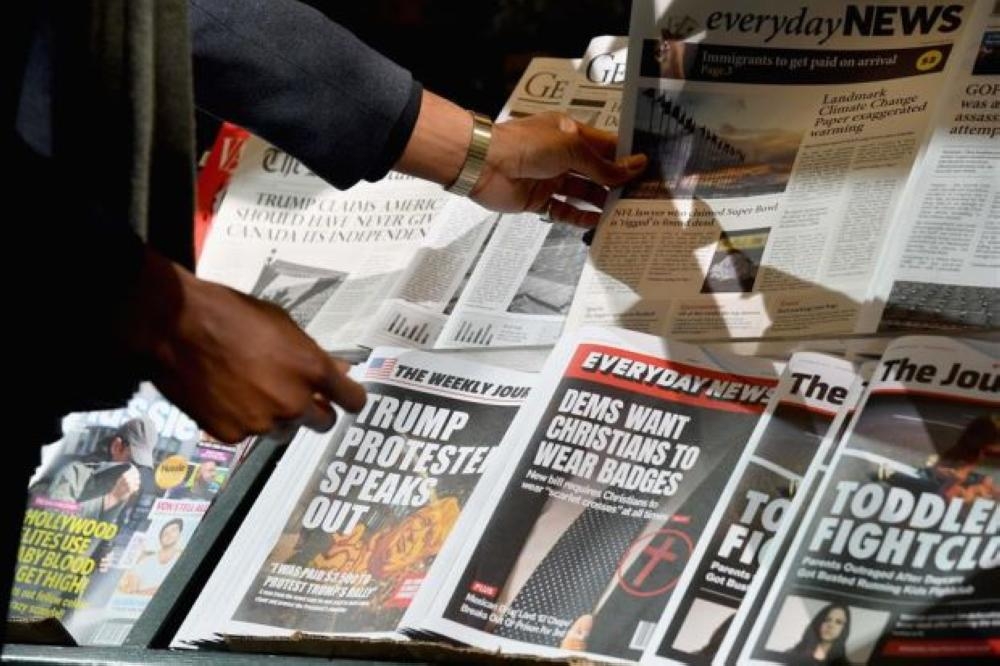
380, 368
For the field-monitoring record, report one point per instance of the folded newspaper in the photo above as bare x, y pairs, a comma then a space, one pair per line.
613, 471
898, 557
814, 169
348, 524
401, 262
780, 466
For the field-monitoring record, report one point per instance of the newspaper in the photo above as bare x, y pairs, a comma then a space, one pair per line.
944, 270
324, 255
480, 282
343, 535
110, 513
575, 545
785, 451
753, 601
781, 139
899, 555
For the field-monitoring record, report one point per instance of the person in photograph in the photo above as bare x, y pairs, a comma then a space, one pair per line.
202, 486
153, 566
103, 489
825, 639
956, 471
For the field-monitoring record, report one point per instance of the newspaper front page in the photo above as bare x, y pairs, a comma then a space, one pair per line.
780, 137
611, 475
364, 514
753, 601
324, 255
523, 284
790, 440
898, 560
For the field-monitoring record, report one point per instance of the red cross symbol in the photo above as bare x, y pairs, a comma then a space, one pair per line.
672, 551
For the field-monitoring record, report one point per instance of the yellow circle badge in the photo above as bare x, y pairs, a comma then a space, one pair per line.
929, 60
171, 471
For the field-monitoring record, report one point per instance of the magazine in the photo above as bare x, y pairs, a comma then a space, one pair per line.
898, 559
612, 472
789, 443
807, 163
109, 515
348, 524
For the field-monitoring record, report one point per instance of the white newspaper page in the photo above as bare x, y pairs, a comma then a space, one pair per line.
425, 295
267, 516
792, 436
324, 255
898, 557
944, 269
363, 519
418, 312
612, 470
753, 601
780, 136
522, 285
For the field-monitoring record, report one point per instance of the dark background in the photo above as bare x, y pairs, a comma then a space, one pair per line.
470, 51
473, 51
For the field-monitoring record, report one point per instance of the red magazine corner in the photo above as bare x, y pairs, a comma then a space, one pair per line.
213, 176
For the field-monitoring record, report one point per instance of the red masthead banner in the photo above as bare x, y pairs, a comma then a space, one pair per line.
676, 382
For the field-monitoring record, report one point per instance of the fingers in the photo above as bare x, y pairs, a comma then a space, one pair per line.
605, 143
585, 190
591, 152
560, 211
572, 190
587, 160
319, 415
334, 384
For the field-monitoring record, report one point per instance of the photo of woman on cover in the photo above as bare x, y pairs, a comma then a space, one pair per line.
810, 630
824, 640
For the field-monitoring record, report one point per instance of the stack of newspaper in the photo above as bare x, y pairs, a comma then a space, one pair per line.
651, 501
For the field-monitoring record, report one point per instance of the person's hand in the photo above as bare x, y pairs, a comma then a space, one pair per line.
236, 365
125, 486
531, 159
577, 635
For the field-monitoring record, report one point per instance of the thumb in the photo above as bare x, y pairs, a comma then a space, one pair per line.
611, 173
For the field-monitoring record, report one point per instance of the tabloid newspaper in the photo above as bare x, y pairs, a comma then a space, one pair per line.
780, 465
349, 523
324, 255
753, 601
898, 559
109, 514
796, 149
612, 471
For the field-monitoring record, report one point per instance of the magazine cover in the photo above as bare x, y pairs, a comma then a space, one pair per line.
791, 438
110, 513
382, 492
897, 561
616, 466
